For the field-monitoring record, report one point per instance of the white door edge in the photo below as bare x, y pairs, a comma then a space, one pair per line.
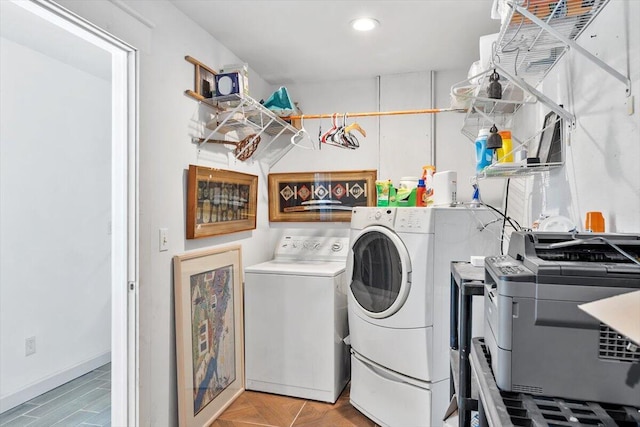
124, 204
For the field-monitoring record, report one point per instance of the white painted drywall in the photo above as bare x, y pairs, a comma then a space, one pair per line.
55, 215
602, 171
396, 146
328, 98
168, 120
456, 152
164, 36
405, 140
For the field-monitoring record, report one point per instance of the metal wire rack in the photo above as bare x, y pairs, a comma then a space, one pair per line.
534, 35
248, 119
537, 33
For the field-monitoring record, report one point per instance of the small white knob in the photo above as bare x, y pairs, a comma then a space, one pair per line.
378, 215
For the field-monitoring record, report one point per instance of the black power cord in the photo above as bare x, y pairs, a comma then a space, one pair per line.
505, 218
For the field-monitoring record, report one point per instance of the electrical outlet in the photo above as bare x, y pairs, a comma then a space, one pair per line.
29, 346
164, 239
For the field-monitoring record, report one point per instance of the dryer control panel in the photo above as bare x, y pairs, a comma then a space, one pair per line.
312, 248
413, 220
362, 217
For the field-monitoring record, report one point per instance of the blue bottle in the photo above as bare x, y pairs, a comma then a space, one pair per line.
484, 156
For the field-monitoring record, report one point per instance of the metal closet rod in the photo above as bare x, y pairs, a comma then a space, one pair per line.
374, 113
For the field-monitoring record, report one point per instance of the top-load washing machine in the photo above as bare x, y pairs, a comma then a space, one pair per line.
398, 305
295, 309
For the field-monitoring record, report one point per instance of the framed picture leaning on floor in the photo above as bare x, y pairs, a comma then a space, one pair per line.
209, 333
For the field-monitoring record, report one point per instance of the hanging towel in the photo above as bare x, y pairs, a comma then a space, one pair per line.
280, 103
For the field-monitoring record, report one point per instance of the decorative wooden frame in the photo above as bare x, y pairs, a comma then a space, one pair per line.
203, 76
220, 202
319, 196
209, 333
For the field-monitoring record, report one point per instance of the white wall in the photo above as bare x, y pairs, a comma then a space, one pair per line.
328, 98
405, 140
602, 170
164, 36
54, 220
168, 119
456, 152
396, 146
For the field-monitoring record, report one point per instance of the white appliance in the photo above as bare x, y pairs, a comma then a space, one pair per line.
295, 309
398, 303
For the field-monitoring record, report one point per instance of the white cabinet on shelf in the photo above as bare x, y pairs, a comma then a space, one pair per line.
255, 132
534, 35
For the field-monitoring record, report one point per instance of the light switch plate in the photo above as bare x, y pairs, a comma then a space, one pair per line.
164, 239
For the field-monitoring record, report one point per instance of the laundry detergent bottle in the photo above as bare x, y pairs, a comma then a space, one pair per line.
427, 177
505, 154
421, 194
484, 156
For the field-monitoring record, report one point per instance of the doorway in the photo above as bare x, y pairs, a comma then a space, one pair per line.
68, 252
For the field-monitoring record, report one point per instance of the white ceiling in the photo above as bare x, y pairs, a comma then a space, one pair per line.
287, 41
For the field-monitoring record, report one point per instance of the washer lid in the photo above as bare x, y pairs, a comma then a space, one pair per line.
298, 268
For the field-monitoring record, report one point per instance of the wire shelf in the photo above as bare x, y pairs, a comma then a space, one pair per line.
247, 119
535, 34
529, 50
506, 170
483, 112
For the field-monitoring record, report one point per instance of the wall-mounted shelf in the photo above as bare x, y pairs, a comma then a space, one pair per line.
484, 111
513, 170
242, 122
533, 37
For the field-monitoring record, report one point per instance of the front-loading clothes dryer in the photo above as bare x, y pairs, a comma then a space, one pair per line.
398, 270
295, 310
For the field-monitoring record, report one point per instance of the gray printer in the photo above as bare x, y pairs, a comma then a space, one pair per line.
539, 340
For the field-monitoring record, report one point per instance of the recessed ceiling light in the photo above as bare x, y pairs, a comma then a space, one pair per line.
364, 24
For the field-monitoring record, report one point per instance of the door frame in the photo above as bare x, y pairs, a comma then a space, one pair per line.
124, 204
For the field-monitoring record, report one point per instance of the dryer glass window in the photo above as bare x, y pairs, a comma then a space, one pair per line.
377, 272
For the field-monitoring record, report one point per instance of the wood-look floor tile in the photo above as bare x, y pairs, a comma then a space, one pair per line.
263, 408
340, 414
227, 423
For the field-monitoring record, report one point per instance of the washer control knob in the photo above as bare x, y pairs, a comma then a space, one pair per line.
378, 215
336, 247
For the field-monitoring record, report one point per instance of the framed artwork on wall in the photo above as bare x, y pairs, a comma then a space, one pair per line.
220, 201
319, 196
209, 333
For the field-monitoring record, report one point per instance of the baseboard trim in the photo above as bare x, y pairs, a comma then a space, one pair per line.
51, 382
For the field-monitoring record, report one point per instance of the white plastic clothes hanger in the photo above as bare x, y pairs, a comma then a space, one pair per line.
299, 137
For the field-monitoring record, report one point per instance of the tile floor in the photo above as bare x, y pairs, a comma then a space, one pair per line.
253, 409
84, 401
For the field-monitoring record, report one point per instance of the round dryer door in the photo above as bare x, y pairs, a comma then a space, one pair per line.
381, 274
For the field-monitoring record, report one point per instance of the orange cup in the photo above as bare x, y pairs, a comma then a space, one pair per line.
594, 222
